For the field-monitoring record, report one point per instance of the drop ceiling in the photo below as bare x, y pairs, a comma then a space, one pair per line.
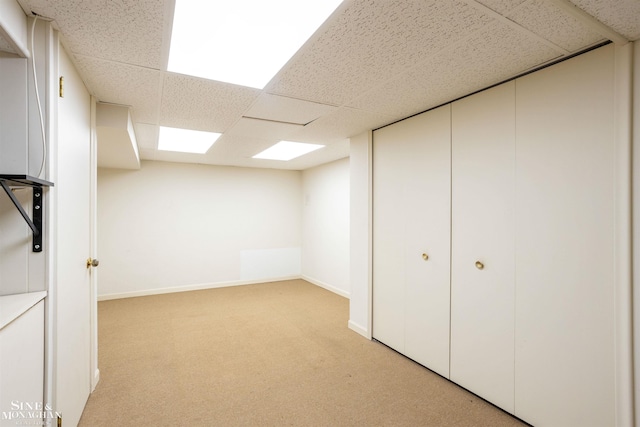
371, 63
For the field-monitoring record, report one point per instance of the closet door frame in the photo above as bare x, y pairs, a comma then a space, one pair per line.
627, 72
623, 303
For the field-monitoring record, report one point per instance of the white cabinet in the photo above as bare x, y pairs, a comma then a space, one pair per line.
411, 204
482, 244
522, 194
565, 247
21, 356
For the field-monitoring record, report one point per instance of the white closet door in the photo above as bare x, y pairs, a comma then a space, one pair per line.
411, 217
482, 295
564, 360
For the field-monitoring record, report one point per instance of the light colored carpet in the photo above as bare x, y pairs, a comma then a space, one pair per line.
274, 354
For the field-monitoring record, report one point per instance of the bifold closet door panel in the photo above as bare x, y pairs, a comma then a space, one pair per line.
564, 360
411, 237
482, 261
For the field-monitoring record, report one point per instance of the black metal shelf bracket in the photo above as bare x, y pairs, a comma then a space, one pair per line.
37, 185
37, 219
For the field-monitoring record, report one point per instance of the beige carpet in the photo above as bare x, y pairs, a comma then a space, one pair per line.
276, 354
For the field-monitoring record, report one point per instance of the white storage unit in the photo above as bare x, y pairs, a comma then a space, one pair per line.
532, 241
482, 261
411, 223
565, 243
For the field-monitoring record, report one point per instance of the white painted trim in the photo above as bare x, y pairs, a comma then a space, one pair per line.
636, 223
51, 213
93, 233
622, 246
370, 236
186, 288
326, 286
359, 329
361, 229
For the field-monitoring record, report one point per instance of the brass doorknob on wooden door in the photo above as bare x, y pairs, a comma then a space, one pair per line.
479, 265
425, 256
92, 262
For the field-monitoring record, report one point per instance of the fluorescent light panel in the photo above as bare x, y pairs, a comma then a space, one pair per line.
244, 42
287, 150
186, 140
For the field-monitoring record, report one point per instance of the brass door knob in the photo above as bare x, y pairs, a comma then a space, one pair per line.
479, 265
425, 257
92, 262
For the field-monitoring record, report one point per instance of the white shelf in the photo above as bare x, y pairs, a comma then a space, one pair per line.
13, 306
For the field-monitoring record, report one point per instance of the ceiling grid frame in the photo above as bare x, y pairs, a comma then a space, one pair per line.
121, 53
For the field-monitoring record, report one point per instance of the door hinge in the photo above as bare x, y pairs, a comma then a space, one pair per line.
61, 86
59, 421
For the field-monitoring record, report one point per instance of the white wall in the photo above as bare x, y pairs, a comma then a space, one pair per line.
360, 242
636, 222
16, 256
171, 226
325, 226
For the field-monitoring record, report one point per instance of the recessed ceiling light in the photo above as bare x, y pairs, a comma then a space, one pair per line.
186, 140
287, 150
244, 42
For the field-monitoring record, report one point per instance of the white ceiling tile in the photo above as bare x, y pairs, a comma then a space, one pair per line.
265, 129
621, 15
200, 104
289, 110
327, 154
124, 84
551, 23
233, 151
496, 54
173, 156
230, 147
340, 125
371, 42
118, 30
148, 154
147, 136
238, 151
403, 97
501, 6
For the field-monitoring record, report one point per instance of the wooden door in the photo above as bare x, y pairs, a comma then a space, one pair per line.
482, 295
565, 360
411, 237
73, 287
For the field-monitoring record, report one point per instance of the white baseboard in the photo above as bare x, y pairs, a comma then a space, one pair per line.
186, 288
96, 380
326, 286
359, 329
